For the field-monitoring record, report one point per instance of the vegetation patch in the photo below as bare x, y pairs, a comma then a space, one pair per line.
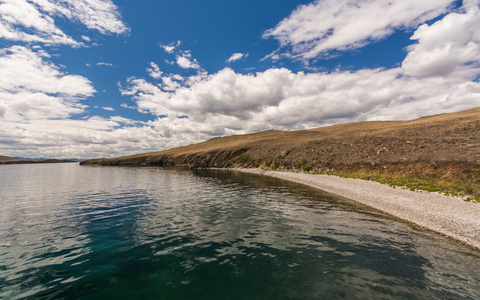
301, 165
466, 186
243, 159
306, 168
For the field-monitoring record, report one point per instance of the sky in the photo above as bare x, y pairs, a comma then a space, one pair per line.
108, 78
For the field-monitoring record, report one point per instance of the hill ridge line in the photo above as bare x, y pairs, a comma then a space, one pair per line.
444, 148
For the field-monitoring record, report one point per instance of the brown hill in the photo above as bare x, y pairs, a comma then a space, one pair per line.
13, 160
7, 158
442, 146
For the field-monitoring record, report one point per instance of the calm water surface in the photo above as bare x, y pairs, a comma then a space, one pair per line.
73, 232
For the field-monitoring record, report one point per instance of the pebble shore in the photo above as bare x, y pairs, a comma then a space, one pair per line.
450, 216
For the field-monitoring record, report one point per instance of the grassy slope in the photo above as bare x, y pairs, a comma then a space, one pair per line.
437, 152
14, 160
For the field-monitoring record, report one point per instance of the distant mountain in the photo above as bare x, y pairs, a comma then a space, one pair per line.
15, 160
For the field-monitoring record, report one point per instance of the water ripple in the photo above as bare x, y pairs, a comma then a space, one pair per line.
141, 233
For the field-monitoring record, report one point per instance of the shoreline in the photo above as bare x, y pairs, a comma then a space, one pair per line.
450, 216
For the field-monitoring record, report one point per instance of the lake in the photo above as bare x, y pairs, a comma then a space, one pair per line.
80, 232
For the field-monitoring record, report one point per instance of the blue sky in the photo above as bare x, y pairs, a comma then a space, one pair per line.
101, 78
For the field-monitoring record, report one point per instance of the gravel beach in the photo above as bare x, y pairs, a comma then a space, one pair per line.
450, 216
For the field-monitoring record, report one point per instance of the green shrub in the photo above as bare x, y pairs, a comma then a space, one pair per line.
243, 159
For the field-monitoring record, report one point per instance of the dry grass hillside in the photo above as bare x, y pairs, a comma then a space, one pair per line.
13, 160
444, 148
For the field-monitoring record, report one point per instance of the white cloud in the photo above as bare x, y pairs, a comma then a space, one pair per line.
104, 64
125, 105
17, 17
37, 98
101, 15
170, 48
32, 88
22, 69
323, 26
231, 103
228, 103
236, 56
32, 21
185, 61
451, 45
88, 138
86, 38
170, 84
182, 58
178, 77
154, 71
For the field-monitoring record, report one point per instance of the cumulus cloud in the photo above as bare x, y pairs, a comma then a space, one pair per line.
324, 26
228, 102
154, 71
171, 83
32, 21
87, 138
31, 87
37, 102
22, 69
451, 45
236, 56
37, 99
239, 103
108, 108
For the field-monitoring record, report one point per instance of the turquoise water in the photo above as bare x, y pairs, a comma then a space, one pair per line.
73, 232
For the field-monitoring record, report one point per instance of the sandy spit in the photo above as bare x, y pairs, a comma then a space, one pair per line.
450, 216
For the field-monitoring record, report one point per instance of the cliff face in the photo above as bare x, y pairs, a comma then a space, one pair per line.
445, 145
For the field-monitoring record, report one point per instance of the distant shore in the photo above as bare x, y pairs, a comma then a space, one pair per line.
36, 161
447, 215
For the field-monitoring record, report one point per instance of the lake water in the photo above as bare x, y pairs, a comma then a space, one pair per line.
78, 232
